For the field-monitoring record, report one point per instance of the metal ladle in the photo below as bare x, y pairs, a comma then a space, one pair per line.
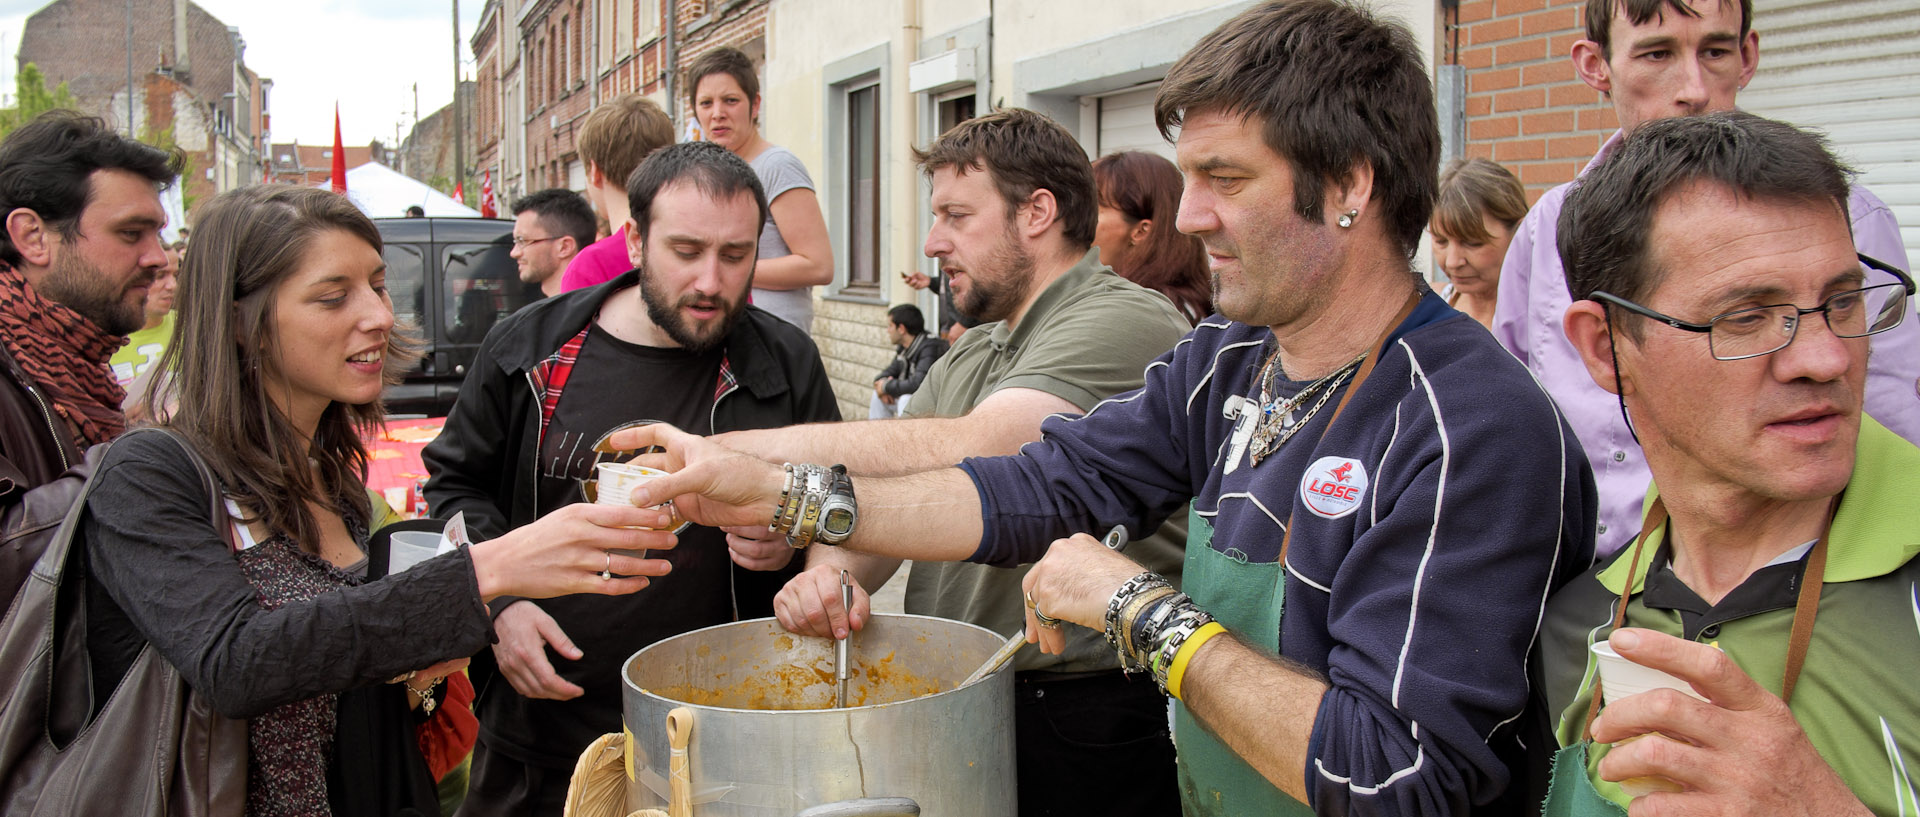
840, 645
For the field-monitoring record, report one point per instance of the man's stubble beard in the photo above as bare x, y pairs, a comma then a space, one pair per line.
670, 320
79, 286
996, 298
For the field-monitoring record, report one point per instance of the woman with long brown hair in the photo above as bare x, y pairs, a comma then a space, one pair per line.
286, 339
1139, 201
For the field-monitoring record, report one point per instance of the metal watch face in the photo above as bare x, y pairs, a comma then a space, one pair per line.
838, 522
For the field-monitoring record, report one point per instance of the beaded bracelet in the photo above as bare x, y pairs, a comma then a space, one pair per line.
786, 495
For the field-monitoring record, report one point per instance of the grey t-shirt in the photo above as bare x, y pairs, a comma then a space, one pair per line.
780, 171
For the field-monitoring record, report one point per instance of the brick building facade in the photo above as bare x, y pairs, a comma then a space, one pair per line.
1525, 108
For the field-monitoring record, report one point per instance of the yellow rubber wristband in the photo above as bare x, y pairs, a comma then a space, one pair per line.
1178, 671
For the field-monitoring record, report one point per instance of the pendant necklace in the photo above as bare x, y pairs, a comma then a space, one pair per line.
1277, 423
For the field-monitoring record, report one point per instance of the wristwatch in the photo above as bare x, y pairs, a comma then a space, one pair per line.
839, 513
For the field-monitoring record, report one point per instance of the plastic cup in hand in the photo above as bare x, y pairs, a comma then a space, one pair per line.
617, 481
410, 547
1620, 678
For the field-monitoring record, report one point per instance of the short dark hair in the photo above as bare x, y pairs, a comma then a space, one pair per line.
416, 211
1022, 151
1600, 13
909, 318
47, 166
724, 60
561, 210
1608, 215
1332, 85
712, 169
617, 136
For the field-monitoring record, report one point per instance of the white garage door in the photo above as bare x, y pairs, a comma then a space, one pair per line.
1126, 123
1851, 68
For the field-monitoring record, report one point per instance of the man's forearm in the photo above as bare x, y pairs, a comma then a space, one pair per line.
868, 570
869, 447
1260, 706
934, 516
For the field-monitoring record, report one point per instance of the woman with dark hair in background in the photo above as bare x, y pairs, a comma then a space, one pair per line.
1139, 201
285, 340
1478, 205
795, 254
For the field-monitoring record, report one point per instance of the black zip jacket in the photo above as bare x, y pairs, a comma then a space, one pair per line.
484, 463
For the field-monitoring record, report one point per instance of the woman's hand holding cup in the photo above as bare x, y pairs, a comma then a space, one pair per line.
576, 549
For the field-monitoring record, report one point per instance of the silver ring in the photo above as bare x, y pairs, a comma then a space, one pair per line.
607, 574
1045, 620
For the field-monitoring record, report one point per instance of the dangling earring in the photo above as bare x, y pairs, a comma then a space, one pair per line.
1346, 218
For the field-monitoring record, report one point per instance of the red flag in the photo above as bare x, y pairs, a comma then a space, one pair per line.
457, 194
339, 155
487, 206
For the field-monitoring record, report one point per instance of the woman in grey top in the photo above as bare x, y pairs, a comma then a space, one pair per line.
795, 255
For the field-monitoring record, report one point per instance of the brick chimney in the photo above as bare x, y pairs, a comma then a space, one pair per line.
182, 67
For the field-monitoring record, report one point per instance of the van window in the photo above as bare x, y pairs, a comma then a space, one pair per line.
482, 286
406, 265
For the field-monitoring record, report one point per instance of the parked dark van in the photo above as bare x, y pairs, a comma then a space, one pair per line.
452, 278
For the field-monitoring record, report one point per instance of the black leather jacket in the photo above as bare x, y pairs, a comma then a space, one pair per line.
35, 444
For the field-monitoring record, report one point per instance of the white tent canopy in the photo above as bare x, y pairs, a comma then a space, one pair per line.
382, 192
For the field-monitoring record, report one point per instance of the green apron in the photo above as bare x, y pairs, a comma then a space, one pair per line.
1246, 599
1570, 789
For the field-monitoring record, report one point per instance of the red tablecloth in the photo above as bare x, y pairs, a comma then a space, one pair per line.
393, 464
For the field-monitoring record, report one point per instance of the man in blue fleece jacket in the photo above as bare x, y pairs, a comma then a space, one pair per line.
1382, 497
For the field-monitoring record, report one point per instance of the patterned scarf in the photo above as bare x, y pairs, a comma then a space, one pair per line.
67, 355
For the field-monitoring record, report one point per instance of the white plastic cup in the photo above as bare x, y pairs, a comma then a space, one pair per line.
410, 547
617, 481
1620, 678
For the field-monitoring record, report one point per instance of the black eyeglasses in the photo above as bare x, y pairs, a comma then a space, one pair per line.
1763, 330
524, 243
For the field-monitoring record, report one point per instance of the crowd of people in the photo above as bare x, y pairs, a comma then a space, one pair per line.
1604, 432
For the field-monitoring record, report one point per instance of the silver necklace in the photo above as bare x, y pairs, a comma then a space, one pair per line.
1277, 423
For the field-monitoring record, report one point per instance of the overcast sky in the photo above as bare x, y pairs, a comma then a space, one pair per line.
364, 54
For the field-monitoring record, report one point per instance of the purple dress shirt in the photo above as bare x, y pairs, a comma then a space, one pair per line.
1528, 319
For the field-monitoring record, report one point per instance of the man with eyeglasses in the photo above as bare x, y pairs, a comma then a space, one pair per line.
1718, 292
549, 228
1655, 59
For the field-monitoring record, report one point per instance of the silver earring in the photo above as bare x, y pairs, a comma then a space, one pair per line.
1346, 218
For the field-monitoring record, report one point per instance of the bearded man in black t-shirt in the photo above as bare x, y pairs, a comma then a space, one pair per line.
672, 340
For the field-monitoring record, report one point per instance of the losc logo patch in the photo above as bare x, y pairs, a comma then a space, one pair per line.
1333, 486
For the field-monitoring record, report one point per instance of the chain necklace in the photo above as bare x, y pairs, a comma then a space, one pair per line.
1277, 424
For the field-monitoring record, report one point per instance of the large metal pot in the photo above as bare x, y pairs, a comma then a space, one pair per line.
766, 741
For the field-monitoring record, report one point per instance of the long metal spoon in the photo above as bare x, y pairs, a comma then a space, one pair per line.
999, 658
840, 645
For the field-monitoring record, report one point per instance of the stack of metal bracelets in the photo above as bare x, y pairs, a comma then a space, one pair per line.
798, 515
1158, 629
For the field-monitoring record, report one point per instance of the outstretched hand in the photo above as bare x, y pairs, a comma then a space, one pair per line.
708, 482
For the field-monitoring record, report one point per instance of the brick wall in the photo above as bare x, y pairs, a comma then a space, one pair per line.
1525, 107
